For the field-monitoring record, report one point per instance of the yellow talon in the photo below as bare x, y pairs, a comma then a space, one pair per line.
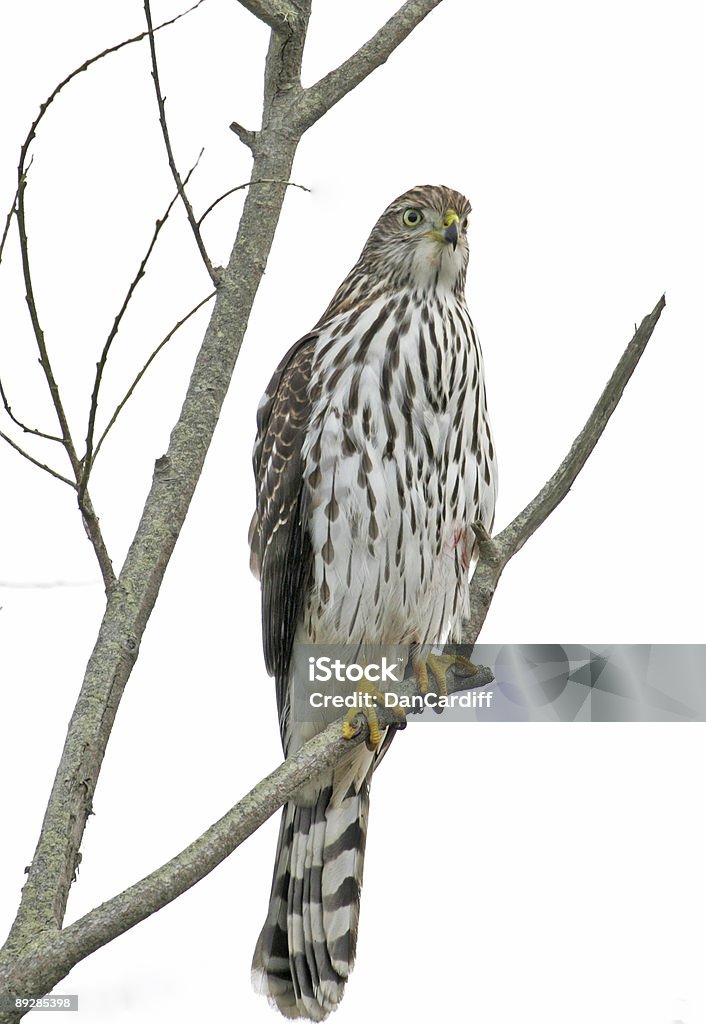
368, 697
438, 665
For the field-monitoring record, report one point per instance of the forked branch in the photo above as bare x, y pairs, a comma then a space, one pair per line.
17, 212
35, 462
319, 98
24, 150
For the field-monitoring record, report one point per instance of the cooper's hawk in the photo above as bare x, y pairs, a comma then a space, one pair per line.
373, 458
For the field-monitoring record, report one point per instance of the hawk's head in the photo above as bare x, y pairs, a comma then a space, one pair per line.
420, 240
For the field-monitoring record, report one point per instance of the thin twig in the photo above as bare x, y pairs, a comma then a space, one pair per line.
496, 552
65, 81
90, 519
36, 462
555, 490
20, 424
239, 188
8, 220
213, 273
44, 360
100, 365
140, 375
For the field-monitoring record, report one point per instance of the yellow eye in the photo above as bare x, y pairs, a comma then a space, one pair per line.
412, 217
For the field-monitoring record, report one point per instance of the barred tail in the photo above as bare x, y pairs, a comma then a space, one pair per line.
306, 948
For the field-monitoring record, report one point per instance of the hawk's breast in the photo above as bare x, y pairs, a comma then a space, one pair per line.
398, 463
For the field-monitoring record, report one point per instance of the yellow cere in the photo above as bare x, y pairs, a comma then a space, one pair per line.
449, 218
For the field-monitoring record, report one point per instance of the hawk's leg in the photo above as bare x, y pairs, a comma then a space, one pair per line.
438, 665
368, 700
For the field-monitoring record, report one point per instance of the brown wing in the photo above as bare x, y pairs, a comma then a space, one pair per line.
280, 550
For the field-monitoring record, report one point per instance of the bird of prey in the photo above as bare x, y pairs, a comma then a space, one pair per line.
373, 458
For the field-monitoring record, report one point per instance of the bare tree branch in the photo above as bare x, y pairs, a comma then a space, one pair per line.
496, 553
140, 375
319, 98
91, 525
213, 273
8, 221
44, 360
246, 136
282, 17
20, 424
17, 209
100, 366
63, 950
35, 462
64, 82
90, 519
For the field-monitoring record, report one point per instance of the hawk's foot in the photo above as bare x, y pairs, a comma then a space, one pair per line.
368, 700
438, 665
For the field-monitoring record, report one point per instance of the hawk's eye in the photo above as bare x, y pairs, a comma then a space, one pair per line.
412, 217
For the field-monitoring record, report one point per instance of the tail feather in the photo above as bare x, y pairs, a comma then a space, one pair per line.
307, 946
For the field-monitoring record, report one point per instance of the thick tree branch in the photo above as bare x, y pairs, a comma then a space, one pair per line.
496, 553
213, 273
315, 101
38, 971
282, 17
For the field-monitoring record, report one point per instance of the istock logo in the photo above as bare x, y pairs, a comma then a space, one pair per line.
323, 670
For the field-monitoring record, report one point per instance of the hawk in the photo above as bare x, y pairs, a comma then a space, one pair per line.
373, 458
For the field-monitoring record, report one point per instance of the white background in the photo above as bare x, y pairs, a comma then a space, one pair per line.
514, 872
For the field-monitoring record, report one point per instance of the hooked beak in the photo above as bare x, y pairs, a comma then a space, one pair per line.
450, 233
